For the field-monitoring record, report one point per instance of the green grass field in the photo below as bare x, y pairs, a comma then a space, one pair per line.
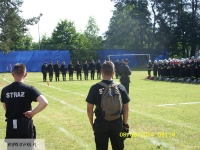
64, 124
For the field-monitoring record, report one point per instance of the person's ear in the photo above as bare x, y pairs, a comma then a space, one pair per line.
13, 74
25, 75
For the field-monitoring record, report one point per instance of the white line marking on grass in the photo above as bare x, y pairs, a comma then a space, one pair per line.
188, 103
166, 104
163, 120
6, 80
78, 140
67, 104
68, 134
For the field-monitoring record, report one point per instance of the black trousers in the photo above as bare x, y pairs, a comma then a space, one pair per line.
70, 75
57, 74
125, 80
78, 73
98, 74
103, 130
44, 76
23, 128
92, 74
149, 72
86, 74
50, 76
64, 76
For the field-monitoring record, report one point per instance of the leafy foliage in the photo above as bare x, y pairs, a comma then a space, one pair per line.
156, 24
12, 25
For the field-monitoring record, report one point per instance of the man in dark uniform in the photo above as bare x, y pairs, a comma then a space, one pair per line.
149, 67
98, 68
78, 69
44, 71
124, 72
70, 70
85, 70
50, 70
103, 129
17, 98
116, 68
56, 69
155, 68
63, 69
92, 69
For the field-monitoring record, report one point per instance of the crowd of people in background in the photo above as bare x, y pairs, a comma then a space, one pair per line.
77, 68
175, 70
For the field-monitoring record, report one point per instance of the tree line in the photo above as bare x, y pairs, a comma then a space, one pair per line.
149, 26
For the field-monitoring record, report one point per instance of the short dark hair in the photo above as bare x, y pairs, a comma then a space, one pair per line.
108, 68
19, 69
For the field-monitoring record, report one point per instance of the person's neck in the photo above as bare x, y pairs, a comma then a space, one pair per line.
19, 80
107, 78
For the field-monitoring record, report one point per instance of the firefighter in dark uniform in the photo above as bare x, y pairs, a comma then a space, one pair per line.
78, 69
149, 67
85, 70
63, 69
70, 70
124, 72
56, 68
50, 70
92, 69
16, 99
98, 68
116, 68
155, 68
159, 67
44, 71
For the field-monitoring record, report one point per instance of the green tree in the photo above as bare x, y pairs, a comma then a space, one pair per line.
24, 43
93, 40
64, 36
12, 25
130, 26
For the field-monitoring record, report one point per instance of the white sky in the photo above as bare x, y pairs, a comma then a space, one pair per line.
77, 11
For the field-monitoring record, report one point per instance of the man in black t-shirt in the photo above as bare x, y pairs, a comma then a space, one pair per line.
124, 72
63, 69
103, 129
98, 68
92, 69
44, 71
56, 69
17, 98
85, 70
70, 70
117, 68
78, 69
50, 70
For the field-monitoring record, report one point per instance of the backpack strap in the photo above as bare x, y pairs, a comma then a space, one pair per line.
103, 84
106, 85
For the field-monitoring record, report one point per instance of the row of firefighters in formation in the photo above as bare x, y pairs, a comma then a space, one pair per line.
175, 68
50, 68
